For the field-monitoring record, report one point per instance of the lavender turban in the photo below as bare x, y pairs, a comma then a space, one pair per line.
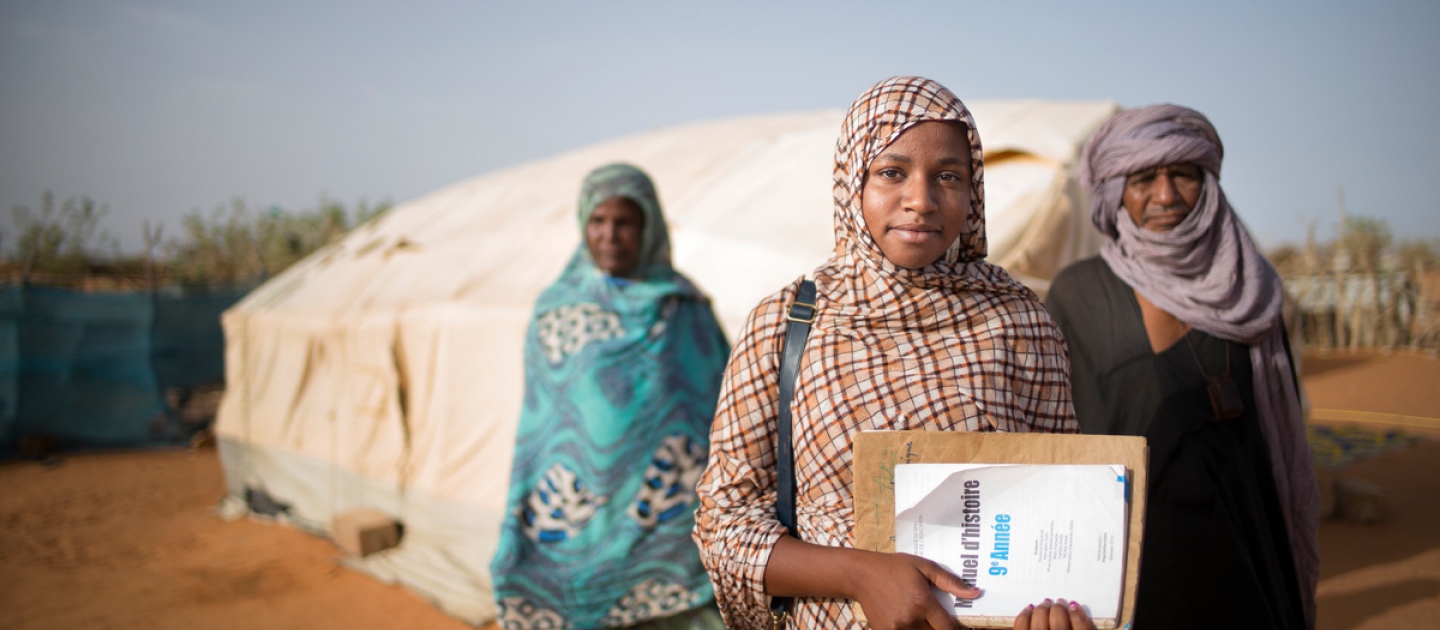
1142, 138
1208, 273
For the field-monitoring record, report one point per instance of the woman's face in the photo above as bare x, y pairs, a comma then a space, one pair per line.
613, 236
916, 195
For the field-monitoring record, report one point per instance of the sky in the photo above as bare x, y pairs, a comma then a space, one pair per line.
158, 109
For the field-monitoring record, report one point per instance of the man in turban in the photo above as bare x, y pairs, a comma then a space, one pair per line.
1175, 334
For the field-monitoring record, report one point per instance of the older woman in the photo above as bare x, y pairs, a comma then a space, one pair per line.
623, 360
913, 330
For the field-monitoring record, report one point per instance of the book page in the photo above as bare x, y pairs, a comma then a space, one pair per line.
1021, 533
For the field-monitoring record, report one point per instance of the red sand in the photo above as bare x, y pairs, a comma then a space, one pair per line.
1384, 575
127, 540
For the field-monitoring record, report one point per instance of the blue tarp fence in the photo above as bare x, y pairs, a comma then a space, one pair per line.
91, 369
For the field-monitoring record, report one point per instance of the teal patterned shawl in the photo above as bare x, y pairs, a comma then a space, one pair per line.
621, 379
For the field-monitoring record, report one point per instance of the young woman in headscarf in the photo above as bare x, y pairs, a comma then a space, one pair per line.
913, 331
623, 360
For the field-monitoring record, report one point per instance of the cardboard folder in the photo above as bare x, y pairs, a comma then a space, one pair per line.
876, 454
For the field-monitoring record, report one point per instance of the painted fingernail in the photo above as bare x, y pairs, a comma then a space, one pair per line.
1074, 606
1047, 600
1030, 607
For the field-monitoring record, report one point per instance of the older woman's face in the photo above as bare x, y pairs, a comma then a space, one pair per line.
613, 236
917, 193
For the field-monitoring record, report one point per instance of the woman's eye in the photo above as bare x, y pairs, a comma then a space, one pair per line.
888, 173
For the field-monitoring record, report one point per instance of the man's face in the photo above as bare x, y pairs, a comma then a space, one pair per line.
916, 195
1158, 199
613, 236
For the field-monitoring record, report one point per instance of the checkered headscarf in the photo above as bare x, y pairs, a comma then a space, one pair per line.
961, 316
875, 120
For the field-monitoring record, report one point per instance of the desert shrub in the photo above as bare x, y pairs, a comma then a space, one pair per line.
237, 243
59, 240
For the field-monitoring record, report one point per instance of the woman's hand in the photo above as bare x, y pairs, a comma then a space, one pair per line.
892, 588
1059, 615
895, 593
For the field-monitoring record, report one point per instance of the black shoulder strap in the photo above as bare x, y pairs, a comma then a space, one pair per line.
797, 329
798, 319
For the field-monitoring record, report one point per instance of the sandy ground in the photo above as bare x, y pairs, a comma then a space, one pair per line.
128, 540
1385, 575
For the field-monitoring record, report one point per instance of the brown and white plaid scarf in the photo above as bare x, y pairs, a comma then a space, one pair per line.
995, 357
954, 346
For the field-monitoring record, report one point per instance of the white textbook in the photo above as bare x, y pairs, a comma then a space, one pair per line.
1019, 532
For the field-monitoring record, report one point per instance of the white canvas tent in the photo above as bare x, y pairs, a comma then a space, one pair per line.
385, 371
